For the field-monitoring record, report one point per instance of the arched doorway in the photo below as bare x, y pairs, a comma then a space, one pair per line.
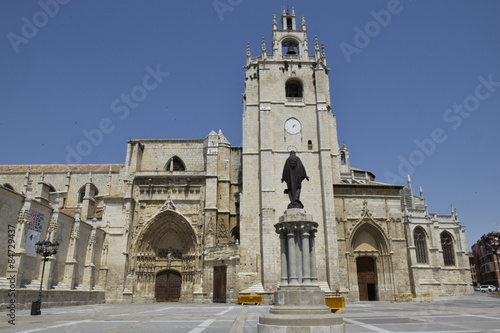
168, 286
367, 278
164, 259
371, 263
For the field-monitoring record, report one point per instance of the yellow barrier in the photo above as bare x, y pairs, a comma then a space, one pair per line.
335, 303
250, 299
411, 298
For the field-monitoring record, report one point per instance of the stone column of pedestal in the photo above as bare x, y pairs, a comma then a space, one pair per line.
299, 303
312, 245
284, 262
306, 257
291, 259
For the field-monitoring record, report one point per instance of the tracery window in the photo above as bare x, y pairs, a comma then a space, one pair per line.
170, 253
447, 246
419, 239
175, 164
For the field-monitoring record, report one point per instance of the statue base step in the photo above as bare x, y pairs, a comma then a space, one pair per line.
300, 309
310, 323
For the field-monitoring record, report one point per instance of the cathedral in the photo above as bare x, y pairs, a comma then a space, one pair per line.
192, 220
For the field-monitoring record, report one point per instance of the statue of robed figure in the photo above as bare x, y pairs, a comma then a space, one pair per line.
293, 174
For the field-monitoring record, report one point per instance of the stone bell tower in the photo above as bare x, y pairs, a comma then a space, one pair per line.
286, 108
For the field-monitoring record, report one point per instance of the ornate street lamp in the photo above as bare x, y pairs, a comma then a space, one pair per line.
45, 249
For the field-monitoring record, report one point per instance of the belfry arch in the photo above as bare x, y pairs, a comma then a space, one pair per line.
369, 262
166, 243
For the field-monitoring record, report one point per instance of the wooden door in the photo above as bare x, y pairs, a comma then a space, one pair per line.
367, 278
219, 284
168, 286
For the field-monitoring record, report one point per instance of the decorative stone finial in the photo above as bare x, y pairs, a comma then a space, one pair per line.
316, 48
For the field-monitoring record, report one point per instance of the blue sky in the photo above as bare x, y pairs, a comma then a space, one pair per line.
415, 84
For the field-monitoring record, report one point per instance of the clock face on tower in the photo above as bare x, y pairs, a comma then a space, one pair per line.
292, 126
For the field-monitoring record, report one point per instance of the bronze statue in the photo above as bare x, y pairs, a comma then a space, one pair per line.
293, 174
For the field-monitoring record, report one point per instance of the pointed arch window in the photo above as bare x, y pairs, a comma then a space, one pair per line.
420, 241
93, 192
447, 246
175, 164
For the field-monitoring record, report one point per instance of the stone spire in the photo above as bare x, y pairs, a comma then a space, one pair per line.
316, 48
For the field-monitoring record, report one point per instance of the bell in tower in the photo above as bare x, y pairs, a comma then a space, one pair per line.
290, 47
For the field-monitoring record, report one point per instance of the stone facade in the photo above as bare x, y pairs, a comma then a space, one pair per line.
193, 220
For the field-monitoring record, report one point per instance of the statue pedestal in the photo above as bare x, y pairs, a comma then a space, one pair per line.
299, 301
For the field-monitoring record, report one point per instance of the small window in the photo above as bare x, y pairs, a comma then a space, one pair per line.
309, 144
93, 192
293, 89
419, 239
342, 158
447, 246
6, 185
175, 164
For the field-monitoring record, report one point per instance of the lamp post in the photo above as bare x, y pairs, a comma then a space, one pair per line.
45, 249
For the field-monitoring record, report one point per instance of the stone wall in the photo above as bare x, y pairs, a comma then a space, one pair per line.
50, 298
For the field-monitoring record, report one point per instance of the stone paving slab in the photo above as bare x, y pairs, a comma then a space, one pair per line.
477, 313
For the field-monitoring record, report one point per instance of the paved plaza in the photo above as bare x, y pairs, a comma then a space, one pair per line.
478, 313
